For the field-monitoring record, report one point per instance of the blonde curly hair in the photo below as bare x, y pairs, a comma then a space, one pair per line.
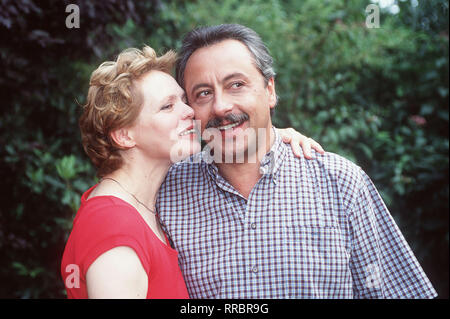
114, 102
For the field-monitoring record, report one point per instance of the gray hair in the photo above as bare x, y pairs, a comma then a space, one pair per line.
205, 36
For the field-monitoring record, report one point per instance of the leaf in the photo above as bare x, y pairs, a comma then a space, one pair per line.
66, 167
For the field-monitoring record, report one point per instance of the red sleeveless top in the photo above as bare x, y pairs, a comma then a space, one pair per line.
105, 222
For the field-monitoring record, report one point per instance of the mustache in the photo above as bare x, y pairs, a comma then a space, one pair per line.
232, 118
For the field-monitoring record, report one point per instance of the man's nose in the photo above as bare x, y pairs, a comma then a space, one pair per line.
221, 105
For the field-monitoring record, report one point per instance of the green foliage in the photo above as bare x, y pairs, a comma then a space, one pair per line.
376, 96
46, 69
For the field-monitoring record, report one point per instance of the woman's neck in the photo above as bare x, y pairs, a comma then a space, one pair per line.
142, 178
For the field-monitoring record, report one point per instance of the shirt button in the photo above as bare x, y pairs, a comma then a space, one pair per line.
255, 269
253, 225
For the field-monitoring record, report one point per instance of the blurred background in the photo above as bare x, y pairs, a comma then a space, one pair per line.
377, 96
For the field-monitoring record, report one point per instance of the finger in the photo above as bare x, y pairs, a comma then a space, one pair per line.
317, 147
286, 138
306, 146
295, 144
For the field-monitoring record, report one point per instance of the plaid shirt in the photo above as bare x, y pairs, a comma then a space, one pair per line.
309, 229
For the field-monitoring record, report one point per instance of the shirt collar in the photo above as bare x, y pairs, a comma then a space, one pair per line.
272, 161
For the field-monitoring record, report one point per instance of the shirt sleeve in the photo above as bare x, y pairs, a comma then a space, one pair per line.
106, 228
382, 263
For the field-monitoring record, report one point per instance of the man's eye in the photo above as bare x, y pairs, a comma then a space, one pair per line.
203, 94
236, 85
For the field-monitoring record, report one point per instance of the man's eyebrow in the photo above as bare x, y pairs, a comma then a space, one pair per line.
197, 86
227, 78
233, 75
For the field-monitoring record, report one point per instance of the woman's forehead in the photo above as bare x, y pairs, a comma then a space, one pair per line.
158, 86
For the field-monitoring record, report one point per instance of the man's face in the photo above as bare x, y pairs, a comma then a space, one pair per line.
228, 93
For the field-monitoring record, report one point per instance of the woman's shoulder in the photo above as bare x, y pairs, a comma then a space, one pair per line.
108, 215
107, 219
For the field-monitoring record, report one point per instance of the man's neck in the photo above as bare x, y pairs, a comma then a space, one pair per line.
244, 176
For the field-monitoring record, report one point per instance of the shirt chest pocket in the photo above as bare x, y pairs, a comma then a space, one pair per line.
317, 246
318, 260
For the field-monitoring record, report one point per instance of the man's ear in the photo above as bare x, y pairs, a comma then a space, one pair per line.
122, 138
272, 92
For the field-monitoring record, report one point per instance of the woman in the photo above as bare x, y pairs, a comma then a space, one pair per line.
117, 247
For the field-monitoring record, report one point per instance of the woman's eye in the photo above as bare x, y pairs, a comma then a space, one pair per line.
166, 107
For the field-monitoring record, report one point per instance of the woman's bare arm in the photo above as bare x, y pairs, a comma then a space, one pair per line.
117, 273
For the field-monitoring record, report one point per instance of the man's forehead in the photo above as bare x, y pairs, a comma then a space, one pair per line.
232, 48
226, 57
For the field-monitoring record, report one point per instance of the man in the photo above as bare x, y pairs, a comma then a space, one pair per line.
266, 224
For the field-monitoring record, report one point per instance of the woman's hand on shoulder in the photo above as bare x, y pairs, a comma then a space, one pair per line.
296, 139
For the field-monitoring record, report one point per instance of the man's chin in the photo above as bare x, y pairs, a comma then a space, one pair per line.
231, 154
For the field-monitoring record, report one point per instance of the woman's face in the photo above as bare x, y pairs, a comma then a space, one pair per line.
165, 127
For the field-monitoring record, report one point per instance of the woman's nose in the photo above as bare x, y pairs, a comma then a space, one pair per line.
188, 112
